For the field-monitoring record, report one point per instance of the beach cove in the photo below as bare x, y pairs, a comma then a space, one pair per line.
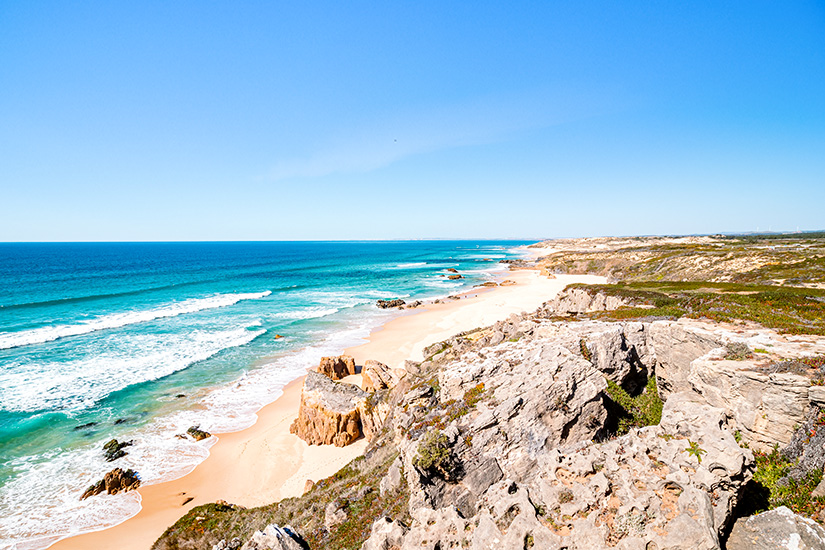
265, 463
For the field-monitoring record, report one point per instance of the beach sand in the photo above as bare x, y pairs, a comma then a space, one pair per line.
265, 463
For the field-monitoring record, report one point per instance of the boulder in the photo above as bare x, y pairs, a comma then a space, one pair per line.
452, 270
328, 414
115, 481
454, 277
337, 368
377, 376
779, 528
507, 282
274, 538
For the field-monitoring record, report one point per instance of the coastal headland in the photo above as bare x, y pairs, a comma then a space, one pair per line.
633, 393
265, 463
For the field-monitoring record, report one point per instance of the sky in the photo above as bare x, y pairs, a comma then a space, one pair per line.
123, 121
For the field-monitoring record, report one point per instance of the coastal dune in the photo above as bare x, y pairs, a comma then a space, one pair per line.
265, 463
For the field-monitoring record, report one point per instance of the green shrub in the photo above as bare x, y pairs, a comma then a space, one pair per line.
644, 409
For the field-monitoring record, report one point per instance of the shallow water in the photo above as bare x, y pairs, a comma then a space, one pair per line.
142, 340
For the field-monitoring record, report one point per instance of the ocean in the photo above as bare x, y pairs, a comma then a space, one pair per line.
140, 341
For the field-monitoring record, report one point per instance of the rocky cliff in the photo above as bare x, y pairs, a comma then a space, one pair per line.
544, 433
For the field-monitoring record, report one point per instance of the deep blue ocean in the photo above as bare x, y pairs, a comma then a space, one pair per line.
139, 341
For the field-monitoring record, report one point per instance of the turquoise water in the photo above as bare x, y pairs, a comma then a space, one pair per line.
142, 340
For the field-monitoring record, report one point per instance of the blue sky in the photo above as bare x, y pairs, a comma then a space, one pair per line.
386, 120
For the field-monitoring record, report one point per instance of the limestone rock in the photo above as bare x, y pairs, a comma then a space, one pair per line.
377, 376
337, 368
573, 301
677, 345
385, 534
335, 514
779, 528
114, 482
328, 414
274, 538
507, 282
765, 407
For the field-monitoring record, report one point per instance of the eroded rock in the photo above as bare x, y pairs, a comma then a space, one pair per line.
328, 414
337, 368
115, 481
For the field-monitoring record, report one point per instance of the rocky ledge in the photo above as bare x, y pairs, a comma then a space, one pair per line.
558, 434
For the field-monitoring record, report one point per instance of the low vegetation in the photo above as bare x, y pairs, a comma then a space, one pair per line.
790, 310
355, 486
637, 411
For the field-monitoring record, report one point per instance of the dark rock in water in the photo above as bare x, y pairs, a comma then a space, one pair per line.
385, 304
454, 277
113, 449
180, 396
123, 421
114, 482
452, 270
197, 433
86, 426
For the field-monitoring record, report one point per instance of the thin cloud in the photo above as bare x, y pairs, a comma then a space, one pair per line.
474, 123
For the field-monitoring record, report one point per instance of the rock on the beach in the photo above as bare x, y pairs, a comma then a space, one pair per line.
377, 376
507, 282
385, 304
114, 482
776, 529
337, 368
328, 414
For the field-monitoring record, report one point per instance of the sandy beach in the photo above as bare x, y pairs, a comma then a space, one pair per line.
265, 463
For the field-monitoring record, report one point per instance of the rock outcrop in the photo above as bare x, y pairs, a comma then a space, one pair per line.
575, 301
328, 414
115, 481
337, 368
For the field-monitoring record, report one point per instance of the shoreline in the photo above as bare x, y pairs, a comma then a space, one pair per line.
224, 474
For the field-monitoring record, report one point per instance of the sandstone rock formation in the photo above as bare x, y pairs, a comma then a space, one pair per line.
114, 482
454, 277
377, 376
328, 414
337, 368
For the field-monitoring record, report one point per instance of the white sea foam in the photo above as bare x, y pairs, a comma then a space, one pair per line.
41, 505
136, 358
117, 320
409, 265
